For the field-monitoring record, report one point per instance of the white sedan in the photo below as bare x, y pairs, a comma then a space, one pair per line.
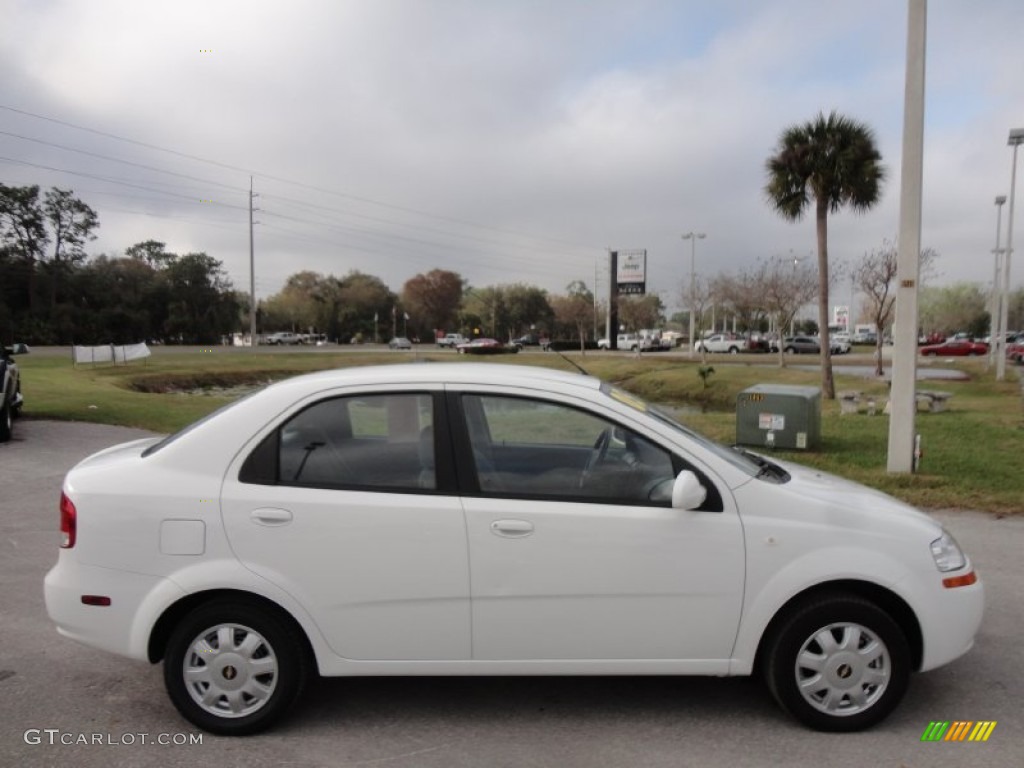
461, 519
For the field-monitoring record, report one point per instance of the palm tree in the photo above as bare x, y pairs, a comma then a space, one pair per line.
834, 161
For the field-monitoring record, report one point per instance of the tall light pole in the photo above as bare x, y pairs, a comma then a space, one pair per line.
997, 296
1015, 140
693, 237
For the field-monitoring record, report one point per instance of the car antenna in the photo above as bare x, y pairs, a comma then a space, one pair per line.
573, 363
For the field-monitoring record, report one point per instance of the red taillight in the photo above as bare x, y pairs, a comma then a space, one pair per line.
68, 522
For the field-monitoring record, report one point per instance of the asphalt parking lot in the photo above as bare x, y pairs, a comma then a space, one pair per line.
53, 690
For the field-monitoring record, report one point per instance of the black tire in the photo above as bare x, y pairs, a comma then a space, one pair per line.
733, 351
6, 420
875, 668
263, 667
789, 350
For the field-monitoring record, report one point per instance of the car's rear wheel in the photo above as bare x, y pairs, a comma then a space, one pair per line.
6, 420
838, 663
733, 351
234, 668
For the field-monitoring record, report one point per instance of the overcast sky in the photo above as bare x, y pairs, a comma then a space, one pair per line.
506, 140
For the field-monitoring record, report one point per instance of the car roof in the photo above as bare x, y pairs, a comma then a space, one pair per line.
437, 373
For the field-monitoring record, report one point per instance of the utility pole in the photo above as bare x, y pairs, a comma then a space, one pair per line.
997, 294
902, 439
252, 274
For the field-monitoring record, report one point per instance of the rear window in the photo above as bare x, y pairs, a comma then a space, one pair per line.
182, 432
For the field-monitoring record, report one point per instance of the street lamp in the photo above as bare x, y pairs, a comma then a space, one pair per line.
693, 237
1015, 140
997, 296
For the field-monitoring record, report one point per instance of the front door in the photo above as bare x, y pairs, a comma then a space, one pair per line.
575, 551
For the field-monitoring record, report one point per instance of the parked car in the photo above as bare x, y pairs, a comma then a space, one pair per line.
956, 348
1015, 351
622, 341
451, 340
798, 345
454, 519
485, 346
839, 343
284, 337
529, 340
722, 342
399, 342
11, 400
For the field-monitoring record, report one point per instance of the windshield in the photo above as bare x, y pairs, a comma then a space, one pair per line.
741, 460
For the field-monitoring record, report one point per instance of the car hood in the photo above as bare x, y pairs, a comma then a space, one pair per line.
823, 498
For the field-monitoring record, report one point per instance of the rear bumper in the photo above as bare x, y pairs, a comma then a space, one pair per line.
122, 627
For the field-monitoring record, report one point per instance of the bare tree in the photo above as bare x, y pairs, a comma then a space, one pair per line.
786, 286
698, 297
741, 294
874, 276
637, 312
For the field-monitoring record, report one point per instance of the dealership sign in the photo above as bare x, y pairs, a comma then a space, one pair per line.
631, 272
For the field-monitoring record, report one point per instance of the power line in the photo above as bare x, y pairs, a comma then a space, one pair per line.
66, 148
112, 181
304, 185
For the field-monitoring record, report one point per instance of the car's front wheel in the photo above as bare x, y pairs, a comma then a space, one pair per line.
838, 663
234, 668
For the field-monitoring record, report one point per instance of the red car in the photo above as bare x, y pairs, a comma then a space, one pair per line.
1015, 351
955, 348
484, 347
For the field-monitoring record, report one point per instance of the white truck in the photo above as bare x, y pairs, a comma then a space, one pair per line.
451, 340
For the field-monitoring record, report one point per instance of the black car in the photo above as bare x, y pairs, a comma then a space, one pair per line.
10, 396
529, 340
796, 345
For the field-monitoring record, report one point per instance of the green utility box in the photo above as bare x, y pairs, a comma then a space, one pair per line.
779, 416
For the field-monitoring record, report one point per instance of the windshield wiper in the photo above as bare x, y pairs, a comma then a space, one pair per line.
765, 468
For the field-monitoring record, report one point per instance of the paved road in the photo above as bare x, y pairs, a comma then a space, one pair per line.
47, 682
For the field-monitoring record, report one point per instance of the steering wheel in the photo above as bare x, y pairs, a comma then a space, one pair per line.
597, 454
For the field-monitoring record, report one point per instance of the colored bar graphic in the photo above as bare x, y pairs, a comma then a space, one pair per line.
982, 730
958, 730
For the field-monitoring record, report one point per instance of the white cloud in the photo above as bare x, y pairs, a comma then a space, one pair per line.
538, 133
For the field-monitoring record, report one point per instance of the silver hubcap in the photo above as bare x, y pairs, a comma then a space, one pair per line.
843, 669
230, 670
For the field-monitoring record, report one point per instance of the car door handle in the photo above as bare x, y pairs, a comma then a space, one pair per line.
511, 528
271, 516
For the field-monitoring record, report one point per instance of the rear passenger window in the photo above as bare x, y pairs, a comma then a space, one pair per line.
376, 441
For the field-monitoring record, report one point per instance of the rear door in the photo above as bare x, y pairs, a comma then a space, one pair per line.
346, 507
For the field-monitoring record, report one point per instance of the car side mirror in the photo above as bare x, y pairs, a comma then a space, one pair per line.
687, 491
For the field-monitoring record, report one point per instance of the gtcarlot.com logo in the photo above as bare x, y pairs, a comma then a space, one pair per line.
958, 730
57, 737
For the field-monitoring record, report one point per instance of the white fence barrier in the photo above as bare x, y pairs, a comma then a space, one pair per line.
110, 353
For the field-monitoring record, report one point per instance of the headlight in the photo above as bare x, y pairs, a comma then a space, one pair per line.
947, 553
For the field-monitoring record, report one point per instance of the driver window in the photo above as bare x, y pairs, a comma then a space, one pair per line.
527, 447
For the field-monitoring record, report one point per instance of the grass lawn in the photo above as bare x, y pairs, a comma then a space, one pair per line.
971, 452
